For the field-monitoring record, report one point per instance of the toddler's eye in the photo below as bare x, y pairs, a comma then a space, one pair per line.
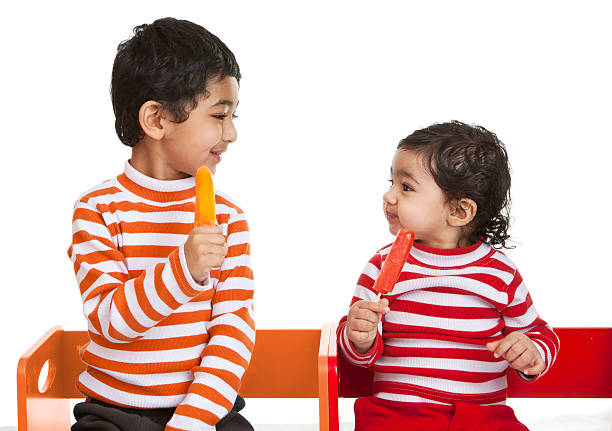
220, 116
406, 187
234, 116
390, 181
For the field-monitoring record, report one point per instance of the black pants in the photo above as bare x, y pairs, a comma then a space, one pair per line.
100, 416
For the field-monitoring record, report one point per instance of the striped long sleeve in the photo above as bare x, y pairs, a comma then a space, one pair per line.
445, 307
232, 333
118, 308
158, 338
521, 315
367, 278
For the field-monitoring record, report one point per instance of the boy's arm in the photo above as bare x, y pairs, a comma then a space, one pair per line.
232, 336
363, 291
117, 308
521, 315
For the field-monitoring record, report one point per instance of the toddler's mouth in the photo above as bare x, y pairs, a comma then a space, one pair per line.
391, 217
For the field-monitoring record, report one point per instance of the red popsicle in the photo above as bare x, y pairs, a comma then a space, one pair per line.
394, 262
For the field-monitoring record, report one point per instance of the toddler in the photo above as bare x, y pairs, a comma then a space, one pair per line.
440, 342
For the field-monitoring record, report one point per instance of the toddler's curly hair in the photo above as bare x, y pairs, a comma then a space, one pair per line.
468, 161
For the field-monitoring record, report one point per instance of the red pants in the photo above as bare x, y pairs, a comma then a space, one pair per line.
374, 414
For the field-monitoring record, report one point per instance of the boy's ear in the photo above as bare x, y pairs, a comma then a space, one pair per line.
462, 212
151, 118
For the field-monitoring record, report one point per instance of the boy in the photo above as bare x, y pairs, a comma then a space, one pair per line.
168, 306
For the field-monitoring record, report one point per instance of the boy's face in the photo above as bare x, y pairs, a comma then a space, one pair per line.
206, 134
414, 201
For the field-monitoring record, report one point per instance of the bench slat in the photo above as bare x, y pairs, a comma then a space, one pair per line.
583, 369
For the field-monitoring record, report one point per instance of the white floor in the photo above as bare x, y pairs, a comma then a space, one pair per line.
598, 421
537, 415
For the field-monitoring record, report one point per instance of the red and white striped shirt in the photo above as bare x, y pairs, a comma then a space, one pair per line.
446, 305
158, 338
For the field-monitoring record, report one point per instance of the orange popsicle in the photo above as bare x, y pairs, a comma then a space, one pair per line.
205, 198
394, 262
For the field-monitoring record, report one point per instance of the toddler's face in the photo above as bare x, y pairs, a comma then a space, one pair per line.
206, 134
414, 201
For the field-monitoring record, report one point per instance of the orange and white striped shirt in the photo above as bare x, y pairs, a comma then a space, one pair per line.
158, 338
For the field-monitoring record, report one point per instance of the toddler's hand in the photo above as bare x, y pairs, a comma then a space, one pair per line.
362, 323
204, 249
520, 352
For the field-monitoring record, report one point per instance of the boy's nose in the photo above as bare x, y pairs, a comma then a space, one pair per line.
229, 132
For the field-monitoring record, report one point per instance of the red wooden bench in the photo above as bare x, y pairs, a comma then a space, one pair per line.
583, 369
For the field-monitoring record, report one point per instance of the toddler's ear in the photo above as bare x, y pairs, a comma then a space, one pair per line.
462, 212
150, 117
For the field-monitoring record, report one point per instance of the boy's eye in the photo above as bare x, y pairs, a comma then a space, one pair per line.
224, 116
390, 181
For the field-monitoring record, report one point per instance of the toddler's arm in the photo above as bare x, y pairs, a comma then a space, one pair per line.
360, 332
232, 337
529, 345
117, 308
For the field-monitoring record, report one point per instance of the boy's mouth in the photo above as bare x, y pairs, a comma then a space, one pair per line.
217, 155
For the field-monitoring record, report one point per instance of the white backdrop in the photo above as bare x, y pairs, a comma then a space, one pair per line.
328, 90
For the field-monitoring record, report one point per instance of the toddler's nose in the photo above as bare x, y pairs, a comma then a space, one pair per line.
389, 197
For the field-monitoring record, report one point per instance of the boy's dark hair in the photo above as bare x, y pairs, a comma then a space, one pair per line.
170, 61
468, 161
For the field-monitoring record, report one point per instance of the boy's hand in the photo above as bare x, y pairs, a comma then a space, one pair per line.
204, 249
520, 352
362, 323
